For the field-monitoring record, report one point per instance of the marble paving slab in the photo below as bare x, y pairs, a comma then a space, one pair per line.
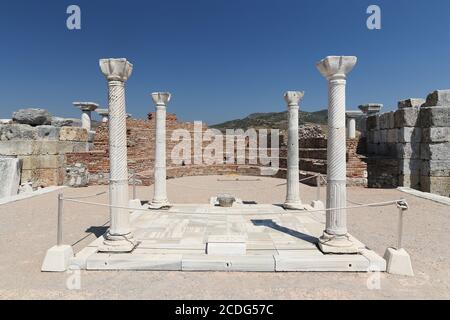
276, 241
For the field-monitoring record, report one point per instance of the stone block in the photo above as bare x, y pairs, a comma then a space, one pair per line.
406, 118
392, 135
57, 259
436, 151
409, 135
383, 136
32, 116
65, 122
384, 121
408, 150
73, 134
76, 176
391, 122
373, 122
91, 136
435, 117
16, 131
436, 168
48, 132
436, 134
376, 136
409, 181
398, 262
31, 162
10, 170
409, 166
436, 185
411, 103
439, 98
372, 148
44, 177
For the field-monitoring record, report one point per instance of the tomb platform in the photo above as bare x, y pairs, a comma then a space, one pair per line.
246, 237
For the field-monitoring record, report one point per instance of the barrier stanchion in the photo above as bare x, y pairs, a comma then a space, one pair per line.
60, 217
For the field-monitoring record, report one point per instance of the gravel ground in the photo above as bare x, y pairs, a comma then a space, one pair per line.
28, 229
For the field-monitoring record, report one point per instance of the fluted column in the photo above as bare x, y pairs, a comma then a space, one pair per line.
119, 237
335, 238
293, 201
86, 115
160, 193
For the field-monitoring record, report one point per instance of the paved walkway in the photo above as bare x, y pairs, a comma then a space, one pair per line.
27, 230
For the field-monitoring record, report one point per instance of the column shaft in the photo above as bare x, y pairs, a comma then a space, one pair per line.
86, 120
160, 194
336, 222
351, 128
118, 187
293, 189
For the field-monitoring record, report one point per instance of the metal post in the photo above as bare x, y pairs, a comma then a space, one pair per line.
402, 207
134, 184
60, 214
318, 187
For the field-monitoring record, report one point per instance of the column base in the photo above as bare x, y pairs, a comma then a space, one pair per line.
157, 205
337, 244
293, 206
118, 243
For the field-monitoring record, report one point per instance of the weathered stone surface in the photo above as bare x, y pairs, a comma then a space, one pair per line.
47, 132
44, 177
436, 185
411, 103
408, 150
435, 117
437, 134
392, 135
309, 131
373, 122
391, 120
41, 147
439, 98
42, 161
409, 166
91, 136
438, 151
409, 135
383, 136
32, 116
406, 118
436, 168
66, 122
384, 121
409, 181
10, 169
17, 131
76, 176
73, 134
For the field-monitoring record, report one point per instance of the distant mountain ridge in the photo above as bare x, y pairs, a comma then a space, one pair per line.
273, 120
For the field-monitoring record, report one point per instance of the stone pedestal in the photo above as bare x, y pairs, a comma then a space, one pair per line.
119, 237
86, 116
335, 238
160, 193
57, 259
293, 201
398, 262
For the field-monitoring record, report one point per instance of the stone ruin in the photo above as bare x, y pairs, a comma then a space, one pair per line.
411, 146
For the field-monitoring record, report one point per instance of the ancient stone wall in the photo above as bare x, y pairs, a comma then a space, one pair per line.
41, 141
411, 146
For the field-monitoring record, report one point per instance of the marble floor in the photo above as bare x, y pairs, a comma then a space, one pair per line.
246, 237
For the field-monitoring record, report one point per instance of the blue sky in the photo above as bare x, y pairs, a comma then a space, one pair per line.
221, 59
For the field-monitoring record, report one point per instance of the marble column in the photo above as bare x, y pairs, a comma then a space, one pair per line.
119, 237
335, 238
86, 116
161, 99
293, 201
104, 113
351, 123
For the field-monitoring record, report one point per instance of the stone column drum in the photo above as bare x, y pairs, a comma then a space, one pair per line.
104, 113
351, 123
86, 116
293, 201
161, 99
335, 238
119, 237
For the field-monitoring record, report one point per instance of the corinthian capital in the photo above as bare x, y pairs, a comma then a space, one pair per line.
116, 69
161, 98
336, 66
293, 98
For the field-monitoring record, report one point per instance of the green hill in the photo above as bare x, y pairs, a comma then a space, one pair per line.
273, 120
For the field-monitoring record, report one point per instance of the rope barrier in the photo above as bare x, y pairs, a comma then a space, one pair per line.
86, 197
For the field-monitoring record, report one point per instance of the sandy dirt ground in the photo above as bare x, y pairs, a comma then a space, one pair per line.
28, 229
